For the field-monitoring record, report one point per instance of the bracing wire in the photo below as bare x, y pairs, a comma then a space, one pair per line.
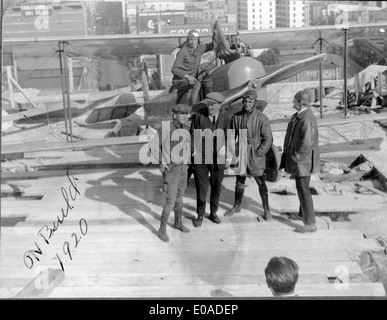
36, 68
108, 110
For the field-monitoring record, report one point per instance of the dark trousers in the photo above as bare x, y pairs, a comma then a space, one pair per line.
201, 181
185, 91
306, 201
262, 187
260, 180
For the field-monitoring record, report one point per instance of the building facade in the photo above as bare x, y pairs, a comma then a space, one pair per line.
256, 15
291, 14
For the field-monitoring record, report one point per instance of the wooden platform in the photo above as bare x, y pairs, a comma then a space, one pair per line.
119, 254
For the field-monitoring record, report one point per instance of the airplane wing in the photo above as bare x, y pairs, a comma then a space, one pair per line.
307, 36
135, 45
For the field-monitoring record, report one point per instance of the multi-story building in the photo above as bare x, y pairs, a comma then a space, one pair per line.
256, 15
291, 14
40, 19
267, 14
200, 14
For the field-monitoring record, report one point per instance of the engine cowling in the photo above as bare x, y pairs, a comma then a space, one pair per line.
234, 74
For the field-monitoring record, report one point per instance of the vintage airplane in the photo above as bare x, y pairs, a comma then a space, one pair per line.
232, 75
217, 78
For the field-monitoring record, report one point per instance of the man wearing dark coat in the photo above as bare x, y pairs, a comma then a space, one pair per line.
209, 154
253, 138
301, 156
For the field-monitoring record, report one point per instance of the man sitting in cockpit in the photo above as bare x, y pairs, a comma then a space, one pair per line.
185, 67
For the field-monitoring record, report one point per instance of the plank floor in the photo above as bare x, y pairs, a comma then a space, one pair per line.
118, 253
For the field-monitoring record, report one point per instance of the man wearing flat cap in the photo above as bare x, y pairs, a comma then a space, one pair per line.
301, 156
185, 67
208, 130
174, 154
257, 131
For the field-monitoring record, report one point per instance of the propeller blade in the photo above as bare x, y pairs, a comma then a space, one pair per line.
291, 70
256, 84
145, 81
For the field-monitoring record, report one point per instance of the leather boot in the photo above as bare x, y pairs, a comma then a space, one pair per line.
162, 233
265, 202
178, 213
237, 202
198, 221
214, 218
306, 228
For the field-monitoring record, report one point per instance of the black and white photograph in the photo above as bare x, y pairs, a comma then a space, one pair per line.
196, 154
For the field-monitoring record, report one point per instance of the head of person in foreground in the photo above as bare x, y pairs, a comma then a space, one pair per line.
281, 276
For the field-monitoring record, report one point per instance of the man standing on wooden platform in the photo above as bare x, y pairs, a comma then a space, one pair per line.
301, 156
208, 153
259, 139
175, 153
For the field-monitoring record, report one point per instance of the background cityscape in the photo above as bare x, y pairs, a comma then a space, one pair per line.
30, 18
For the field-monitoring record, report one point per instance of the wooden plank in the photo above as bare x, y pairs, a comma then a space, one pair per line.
77, 145
219, 238
214, 291
18, 248
162, 279
357, 85
336, 121
10, 89
362, 81
342, 203
328, 268
377, 191
217, 258
379, 83
222, 291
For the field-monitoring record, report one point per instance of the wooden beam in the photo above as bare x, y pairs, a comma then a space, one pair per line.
360, 184
10, 87
357, 86
43, 145
337, 121
362, 81
21, 90
379, 83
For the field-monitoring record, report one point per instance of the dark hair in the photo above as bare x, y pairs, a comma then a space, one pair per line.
281, 275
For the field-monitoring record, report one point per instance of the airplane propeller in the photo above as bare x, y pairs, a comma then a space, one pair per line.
257, 83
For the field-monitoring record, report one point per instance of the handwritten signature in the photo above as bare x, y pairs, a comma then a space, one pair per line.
46, 232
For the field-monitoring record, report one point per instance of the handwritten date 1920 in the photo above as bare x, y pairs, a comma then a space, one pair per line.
46, 233
66, 245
